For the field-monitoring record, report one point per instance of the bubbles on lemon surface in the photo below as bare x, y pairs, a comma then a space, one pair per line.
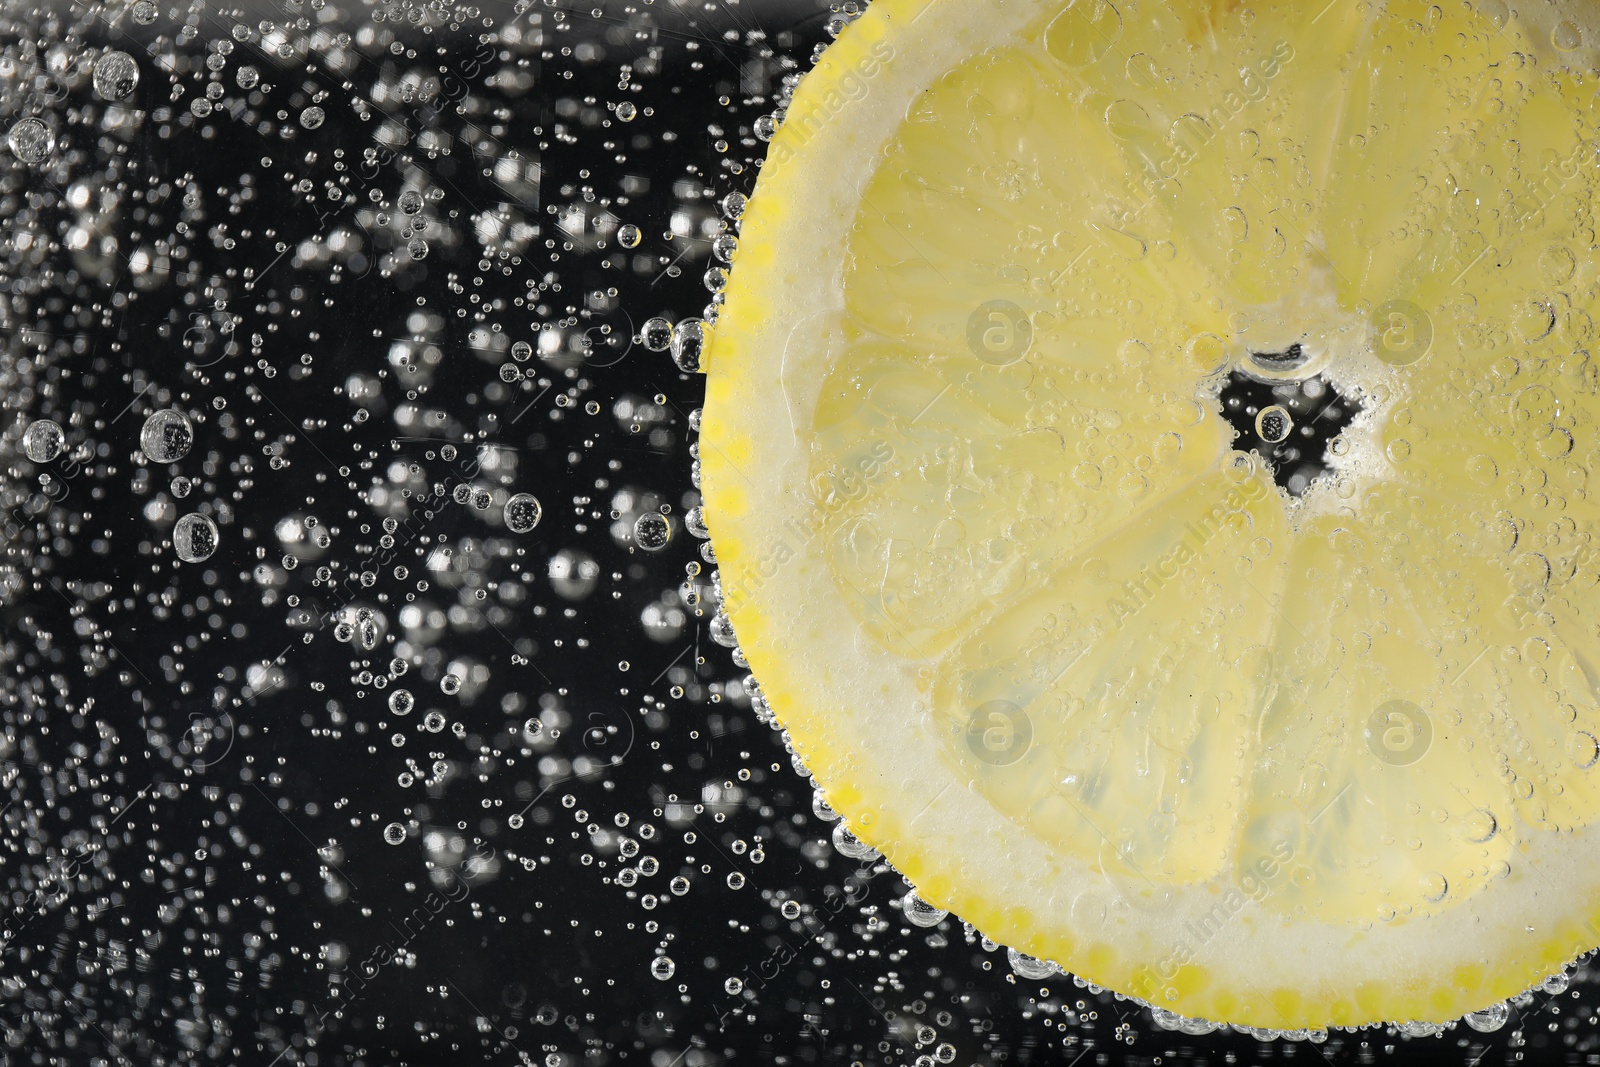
1403, 332
1480, 826
851, 846
999, 733
573, 573
688, 344
1399, 732
999, 332
1566, 36
1433, 886
442, 592
1030, 967
656, 334
1489, 1019
919, 912
1557, 983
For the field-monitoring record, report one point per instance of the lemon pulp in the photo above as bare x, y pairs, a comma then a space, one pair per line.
1046, 629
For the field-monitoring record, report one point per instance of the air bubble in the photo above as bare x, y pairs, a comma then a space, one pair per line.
1489, 1019
43, 441
167, 436
522, 513
194, 537
652, 531
656, 334
1030, 967
31, 141
116, 74
919, 912
1481, 826
1584, 749
688, 343
721, 628
1273, 424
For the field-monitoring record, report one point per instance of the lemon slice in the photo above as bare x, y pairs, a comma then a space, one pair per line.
1149, 455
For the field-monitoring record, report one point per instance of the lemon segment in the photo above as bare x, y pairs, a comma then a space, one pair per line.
1033, 597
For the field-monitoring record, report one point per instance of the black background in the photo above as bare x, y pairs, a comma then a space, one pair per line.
184, 840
